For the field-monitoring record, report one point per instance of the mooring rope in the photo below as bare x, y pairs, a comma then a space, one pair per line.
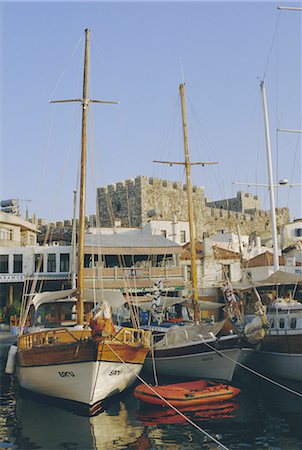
168, 403
253, 371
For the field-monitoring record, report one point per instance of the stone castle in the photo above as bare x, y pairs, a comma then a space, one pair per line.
129, 202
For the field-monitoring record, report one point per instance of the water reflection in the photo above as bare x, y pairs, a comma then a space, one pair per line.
110, 429
160, 416
263, 416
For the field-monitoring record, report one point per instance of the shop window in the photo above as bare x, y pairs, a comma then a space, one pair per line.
64, 262
38, 265
18, 263
51, 262
3, 263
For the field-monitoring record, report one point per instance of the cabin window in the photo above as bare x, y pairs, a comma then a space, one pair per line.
163, 233
3, 263
51, 262
293, 323
18, 263
183, 238
64, 262
281, 323
37, 259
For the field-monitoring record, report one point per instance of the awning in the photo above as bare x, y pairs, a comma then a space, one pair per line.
54, 296
277, 278
114, 298
280, 277
133, 250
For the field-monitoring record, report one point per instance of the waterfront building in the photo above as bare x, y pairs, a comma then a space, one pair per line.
291, 233
261, 267
134, 258
111, 257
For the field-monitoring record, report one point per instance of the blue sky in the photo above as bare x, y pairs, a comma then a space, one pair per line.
136, 49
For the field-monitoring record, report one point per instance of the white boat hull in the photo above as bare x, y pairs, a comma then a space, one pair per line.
85, 382
279, 365
212, 365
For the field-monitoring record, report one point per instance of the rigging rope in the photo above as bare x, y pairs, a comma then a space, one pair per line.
272, 44
66, 65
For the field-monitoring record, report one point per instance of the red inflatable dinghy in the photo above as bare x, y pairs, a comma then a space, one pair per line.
186, 394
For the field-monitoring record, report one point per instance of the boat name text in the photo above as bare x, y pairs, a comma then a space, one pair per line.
115, 372
66, 374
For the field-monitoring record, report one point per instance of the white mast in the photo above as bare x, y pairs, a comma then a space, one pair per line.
270, 178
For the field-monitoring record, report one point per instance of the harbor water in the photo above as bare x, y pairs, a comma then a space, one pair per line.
262, 416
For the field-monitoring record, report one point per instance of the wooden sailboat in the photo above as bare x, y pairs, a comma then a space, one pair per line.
77, 363
197, 350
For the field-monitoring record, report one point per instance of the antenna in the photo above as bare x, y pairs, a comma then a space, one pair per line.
181, 70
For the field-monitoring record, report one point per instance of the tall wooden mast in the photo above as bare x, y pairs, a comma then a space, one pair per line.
190, 203
85, 101
188, 165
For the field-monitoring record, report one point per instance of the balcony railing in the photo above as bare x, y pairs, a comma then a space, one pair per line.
135, 277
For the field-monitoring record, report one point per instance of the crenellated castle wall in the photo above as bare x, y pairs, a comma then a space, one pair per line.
129, 202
